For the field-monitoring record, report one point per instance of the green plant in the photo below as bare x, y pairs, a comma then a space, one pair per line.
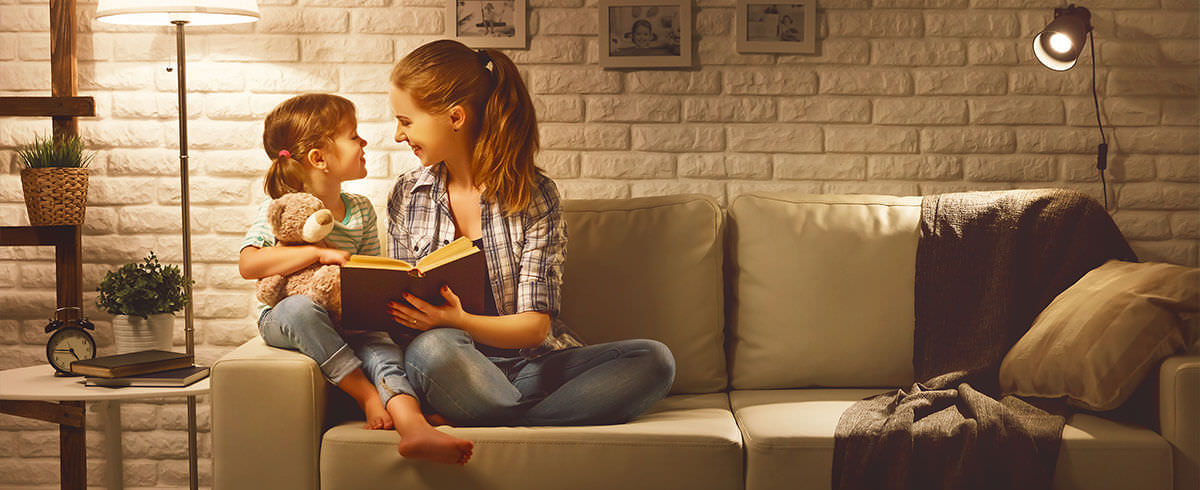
142, 289
46, 153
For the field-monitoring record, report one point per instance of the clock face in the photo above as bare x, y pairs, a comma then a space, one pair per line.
68, 345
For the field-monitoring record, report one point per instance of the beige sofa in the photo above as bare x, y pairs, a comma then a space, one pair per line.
781, 312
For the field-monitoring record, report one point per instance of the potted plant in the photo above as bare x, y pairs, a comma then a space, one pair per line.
54, 180
144, 296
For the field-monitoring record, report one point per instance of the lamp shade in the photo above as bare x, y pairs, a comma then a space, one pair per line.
166, 12
1059, 44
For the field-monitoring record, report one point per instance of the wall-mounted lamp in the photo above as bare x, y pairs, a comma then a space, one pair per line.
1059, 44
1058, 47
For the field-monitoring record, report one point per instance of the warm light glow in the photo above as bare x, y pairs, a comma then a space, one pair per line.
1060, 42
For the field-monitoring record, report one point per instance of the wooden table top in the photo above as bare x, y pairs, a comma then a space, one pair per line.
40, 383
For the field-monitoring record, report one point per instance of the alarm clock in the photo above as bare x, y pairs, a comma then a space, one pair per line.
70, 342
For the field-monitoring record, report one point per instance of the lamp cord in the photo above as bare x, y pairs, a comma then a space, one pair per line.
1102, 151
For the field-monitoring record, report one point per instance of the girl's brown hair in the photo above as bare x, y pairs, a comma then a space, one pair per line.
442, 74
296, 126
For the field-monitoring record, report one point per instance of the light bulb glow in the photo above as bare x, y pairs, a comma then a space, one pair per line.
1060, 42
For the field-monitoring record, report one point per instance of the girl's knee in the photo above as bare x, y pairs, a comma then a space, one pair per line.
298, 307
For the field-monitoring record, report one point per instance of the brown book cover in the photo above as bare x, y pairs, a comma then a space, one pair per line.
131, 363
369, 283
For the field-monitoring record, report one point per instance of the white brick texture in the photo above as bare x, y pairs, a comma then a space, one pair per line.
903, 97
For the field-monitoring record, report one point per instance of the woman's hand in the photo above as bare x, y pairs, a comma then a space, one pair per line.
332, 256
424, 316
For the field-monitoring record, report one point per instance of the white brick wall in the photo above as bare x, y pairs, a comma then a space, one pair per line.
904, 97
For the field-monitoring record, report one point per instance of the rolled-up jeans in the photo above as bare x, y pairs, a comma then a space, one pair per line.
297, 323
598, 384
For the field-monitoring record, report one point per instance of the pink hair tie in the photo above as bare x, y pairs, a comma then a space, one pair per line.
285, 154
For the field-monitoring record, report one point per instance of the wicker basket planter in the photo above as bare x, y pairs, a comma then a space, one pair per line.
55, 195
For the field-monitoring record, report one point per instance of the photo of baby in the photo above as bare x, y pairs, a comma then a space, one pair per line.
775, 22
643, 30
489, 18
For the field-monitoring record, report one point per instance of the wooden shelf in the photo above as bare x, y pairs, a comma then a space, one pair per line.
68, 263
47, 106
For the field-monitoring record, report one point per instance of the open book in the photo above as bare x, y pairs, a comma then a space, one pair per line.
369, 283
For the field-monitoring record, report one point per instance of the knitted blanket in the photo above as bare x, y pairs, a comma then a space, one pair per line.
987, 264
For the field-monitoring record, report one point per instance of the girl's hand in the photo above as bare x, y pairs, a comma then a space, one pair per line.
332, 256
426, 316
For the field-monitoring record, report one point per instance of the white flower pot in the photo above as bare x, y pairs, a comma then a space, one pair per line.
134, 333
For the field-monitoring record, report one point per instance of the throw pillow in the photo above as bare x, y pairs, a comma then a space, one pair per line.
1097, 340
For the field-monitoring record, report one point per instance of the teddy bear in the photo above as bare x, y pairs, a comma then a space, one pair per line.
297, 219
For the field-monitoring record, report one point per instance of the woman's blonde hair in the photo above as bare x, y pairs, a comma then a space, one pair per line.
296, 126
442, 74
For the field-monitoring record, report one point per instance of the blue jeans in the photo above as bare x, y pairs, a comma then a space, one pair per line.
299, 324
598, 384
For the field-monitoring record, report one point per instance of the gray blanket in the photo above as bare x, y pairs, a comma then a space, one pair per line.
987, 264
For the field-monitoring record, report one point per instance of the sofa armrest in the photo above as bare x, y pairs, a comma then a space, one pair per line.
1179, 406
268, 406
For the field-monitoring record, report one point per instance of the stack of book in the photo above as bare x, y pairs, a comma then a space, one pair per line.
142, 368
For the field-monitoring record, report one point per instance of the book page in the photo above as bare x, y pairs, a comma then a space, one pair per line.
459, 248
375, 262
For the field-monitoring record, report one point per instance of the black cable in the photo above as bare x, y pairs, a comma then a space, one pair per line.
1102, 150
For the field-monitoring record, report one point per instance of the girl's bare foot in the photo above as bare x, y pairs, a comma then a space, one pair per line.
377, 416
433, 445
367, 397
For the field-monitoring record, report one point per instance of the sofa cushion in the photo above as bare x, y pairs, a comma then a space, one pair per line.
789, 444
823, 290
683, 442
650, 268
1098, 339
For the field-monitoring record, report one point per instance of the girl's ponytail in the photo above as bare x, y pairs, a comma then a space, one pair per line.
508, 136
284, 176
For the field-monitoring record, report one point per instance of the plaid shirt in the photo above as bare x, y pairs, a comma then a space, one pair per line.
524, 252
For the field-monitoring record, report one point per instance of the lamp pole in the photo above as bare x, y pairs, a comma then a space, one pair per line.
181, 76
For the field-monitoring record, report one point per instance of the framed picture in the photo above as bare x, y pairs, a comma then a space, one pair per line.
487, 23
765, 27
645, 33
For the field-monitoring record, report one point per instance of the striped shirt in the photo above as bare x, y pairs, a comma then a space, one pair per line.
356, 233
524, 251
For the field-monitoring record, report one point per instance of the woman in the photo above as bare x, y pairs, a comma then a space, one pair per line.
475, 133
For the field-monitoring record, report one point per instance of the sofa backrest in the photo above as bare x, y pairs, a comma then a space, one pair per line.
650, 268
821, 290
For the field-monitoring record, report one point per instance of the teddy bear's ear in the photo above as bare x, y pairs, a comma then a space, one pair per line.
275, 214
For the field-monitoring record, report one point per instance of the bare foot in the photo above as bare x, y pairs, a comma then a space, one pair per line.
435, 419
377, 416
433, 445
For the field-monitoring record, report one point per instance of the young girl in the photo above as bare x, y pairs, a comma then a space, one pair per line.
314, 147
475, 133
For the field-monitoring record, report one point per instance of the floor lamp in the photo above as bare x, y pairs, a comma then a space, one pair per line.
180, 13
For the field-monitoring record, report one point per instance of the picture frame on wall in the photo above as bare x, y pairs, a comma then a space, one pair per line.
645, 33
487, 23
776, 27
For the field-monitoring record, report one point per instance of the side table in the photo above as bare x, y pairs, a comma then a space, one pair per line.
34, 392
